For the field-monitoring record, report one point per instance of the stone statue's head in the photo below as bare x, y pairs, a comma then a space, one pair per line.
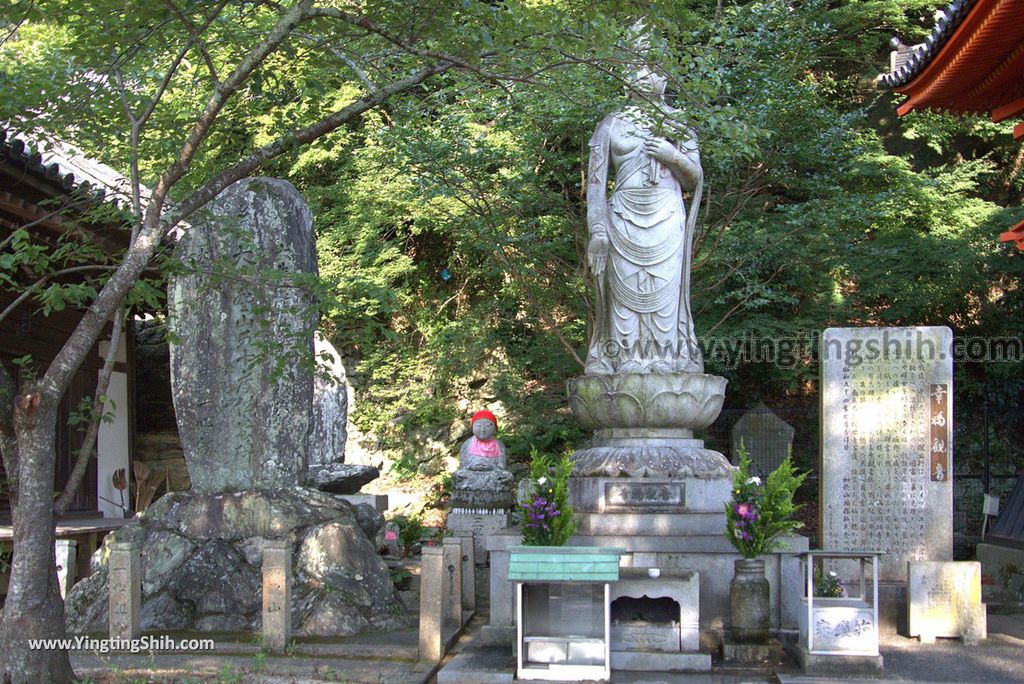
484, 429
485, 425
647, 83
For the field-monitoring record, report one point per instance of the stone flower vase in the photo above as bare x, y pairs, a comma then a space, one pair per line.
749, 602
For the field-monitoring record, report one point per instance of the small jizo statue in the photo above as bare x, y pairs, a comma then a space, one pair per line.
482, 480
482, 451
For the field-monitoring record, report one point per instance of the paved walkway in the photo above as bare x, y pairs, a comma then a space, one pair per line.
366, 658
391, 658
997, 660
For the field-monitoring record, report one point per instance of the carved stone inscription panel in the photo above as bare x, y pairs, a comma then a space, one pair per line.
886, 444
643, 495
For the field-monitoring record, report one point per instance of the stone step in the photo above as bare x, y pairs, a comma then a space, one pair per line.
488, 665
652, 524
641, 661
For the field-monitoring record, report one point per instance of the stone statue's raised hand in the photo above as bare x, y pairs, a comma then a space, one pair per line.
597, 254
660, 149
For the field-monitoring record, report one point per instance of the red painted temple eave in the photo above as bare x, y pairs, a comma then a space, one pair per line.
1015, 234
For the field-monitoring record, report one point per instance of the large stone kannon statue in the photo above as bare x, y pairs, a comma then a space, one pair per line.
640, 240
644, 391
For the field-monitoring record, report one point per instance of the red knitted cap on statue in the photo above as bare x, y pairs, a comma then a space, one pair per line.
484, 414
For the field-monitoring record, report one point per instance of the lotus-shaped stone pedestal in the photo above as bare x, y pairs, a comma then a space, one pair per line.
643, 424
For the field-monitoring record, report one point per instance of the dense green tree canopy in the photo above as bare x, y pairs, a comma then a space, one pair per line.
450, 220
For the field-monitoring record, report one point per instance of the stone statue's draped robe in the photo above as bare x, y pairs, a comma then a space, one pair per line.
643, 322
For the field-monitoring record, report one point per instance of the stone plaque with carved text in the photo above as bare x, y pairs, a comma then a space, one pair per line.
886, 444
643, 495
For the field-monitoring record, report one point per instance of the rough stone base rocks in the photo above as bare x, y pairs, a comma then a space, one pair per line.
202, 565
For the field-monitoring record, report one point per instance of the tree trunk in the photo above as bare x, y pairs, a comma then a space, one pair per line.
34, 609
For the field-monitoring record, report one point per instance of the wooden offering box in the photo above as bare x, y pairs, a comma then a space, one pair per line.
563, 610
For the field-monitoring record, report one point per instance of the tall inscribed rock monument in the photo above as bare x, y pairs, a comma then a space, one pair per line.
243, 387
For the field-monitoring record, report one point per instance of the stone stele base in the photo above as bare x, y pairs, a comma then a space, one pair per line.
752, 654
202, 558
840, 665
644, 661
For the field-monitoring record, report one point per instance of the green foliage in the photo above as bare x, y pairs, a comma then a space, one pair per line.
547, 515
449, 222
826, 584
83, 414
400, 577
229, 674
410, 530
759, 513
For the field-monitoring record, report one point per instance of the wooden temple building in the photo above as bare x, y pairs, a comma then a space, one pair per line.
51, 191
971, 63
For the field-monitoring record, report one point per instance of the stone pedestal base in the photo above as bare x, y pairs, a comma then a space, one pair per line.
639, 661
752, 654
478, 524
711, 556
670, 502
844, 665
679, 585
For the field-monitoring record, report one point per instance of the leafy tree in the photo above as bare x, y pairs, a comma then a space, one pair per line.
443, 165
191, 97
457, 249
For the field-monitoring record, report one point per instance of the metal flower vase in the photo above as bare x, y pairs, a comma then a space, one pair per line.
750, 602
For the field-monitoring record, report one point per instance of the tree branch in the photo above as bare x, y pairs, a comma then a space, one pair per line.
88, 330
406, 46
743, 301
197, 40
349, 62
17, 24
292, 139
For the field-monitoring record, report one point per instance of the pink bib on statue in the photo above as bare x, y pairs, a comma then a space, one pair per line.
487, 448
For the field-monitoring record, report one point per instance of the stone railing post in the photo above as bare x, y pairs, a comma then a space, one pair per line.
468, 573
67, 564
432, 604
125, 589
452, 581
277, 594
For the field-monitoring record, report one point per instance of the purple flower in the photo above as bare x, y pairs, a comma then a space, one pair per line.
746, 511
